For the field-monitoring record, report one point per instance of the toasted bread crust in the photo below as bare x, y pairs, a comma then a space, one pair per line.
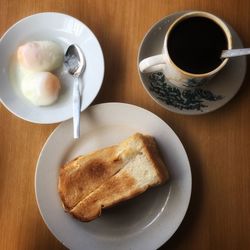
106, 177
153, 154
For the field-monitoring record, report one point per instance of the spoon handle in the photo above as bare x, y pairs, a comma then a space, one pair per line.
235, 52
76, 108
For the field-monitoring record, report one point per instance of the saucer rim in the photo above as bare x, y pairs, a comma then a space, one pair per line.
167, 107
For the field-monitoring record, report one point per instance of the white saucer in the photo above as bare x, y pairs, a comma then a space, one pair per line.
145, 222
65, 30
220, 90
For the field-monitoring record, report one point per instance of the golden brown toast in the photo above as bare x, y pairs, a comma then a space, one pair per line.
81, 176
111, 175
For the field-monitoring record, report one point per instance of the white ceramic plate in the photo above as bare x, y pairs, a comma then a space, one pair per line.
145, 222
218, 91
64, 30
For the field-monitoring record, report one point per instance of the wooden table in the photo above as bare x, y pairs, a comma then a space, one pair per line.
218, 143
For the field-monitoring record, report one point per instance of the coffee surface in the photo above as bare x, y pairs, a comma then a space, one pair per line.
195, 45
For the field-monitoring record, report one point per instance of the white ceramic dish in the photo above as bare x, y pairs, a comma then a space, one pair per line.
219, 90
145, 222
64, 30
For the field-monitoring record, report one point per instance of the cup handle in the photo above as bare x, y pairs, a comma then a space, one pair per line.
152, 64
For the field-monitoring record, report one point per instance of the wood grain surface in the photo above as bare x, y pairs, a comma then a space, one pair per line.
218, 143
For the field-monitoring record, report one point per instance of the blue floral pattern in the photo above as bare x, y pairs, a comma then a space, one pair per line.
193, 82
188, 99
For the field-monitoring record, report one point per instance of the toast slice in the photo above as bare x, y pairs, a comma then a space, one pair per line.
81, 176
127, 170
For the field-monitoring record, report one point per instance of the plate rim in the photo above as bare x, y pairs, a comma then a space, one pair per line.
51, 13
189, 178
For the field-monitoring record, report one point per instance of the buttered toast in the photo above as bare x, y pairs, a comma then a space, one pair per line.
108, 176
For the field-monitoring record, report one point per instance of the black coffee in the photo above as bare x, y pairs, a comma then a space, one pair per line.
195, 45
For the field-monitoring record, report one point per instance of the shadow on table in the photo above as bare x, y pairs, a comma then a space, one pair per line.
192, 215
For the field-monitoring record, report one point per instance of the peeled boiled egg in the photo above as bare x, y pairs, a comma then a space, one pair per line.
41, 88
40, 55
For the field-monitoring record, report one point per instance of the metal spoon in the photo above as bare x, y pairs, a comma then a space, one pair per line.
75, 63
235, 52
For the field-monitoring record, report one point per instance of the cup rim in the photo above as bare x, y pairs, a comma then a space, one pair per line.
212, 17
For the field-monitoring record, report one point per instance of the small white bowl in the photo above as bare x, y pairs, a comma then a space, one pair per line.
64, 30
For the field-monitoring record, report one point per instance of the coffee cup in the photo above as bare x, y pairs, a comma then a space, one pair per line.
191, 50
